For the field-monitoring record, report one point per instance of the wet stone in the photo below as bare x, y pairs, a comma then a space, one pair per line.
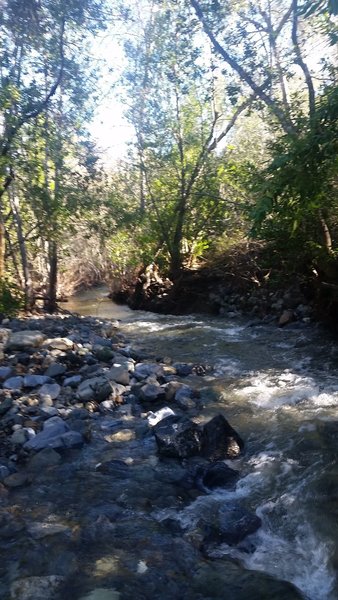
44, 459
55, 370
9, 525
5, 405
14, 383
220, 440
17, 480
178, 437
231, 525
35, 380
5, 373
72, 381
36, 588
152, 393
50, 389
144, 370
218, 475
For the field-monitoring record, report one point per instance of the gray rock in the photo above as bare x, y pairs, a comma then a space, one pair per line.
144, 370
25, 339
46, 458
38, 531
49, 411
36, 588
183, 397
55, 369
218, 475
5, 373
118, 374
171, 388
59, 343
14, 383
183, 369
17, 480
97, 388
35, 380
10, 525
19, 437
5, 405
72, 381
50, 436
50, 389
4, 472
152, 392
103, 353
72, 439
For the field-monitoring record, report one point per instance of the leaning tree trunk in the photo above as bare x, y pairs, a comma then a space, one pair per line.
28, 288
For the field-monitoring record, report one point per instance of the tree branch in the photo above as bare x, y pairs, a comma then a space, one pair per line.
301, 62
243, 74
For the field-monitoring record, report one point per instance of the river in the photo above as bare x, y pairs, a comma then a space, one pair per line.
279, 389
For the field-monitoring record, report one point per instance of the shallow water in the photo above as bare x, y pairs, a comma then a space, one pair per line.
279, 390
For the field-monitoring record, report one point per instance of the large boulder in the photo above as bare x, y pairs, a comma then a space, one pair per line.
178, 437
20, 340
220, 440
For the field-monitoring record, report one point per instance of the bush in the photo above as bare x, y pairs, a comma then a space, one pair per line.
11, 298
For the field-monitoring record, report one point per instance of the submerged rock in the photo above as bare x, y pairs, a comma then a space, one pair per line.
55, 434
218, 475
36, 588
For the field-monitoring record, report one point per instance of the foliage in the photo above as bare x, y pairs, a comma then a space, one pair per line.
11, 298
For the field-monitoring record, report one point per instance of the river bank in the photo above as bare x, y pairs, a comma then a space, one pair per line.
99, 502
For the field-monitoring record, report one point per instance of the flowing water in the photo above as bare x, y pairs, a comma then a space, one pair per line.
279, 389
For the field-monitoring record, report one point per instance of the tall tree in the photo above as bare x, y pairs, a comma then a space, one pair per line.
178, 125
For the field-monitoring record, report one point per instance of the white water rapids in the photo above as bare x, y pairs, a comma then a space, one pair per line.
279, 390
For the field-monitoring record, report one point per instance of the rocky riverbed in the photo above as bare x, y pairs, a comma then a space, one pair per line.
98, 446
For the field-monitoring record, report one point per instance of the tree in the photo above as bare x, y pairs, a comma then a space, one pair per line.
264, 46
178, 125
45, 84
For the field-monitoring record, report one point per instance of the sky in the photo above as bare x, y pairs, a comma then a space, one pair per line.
109, 127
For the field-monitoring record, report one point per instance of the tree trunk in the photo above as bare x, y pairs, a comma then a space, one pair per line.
28, 291
50, 301
2, 250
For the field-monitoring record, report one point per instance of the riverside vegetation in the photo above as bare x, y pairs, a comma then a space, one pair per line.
233, 106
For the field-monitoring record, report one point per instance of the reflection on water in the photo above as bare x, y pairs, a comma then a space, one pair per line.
95, 302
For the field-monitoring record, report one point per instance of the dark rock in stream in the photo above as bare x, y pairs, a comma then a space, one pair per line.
230, 525
218, 475
178, 437
220, 440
